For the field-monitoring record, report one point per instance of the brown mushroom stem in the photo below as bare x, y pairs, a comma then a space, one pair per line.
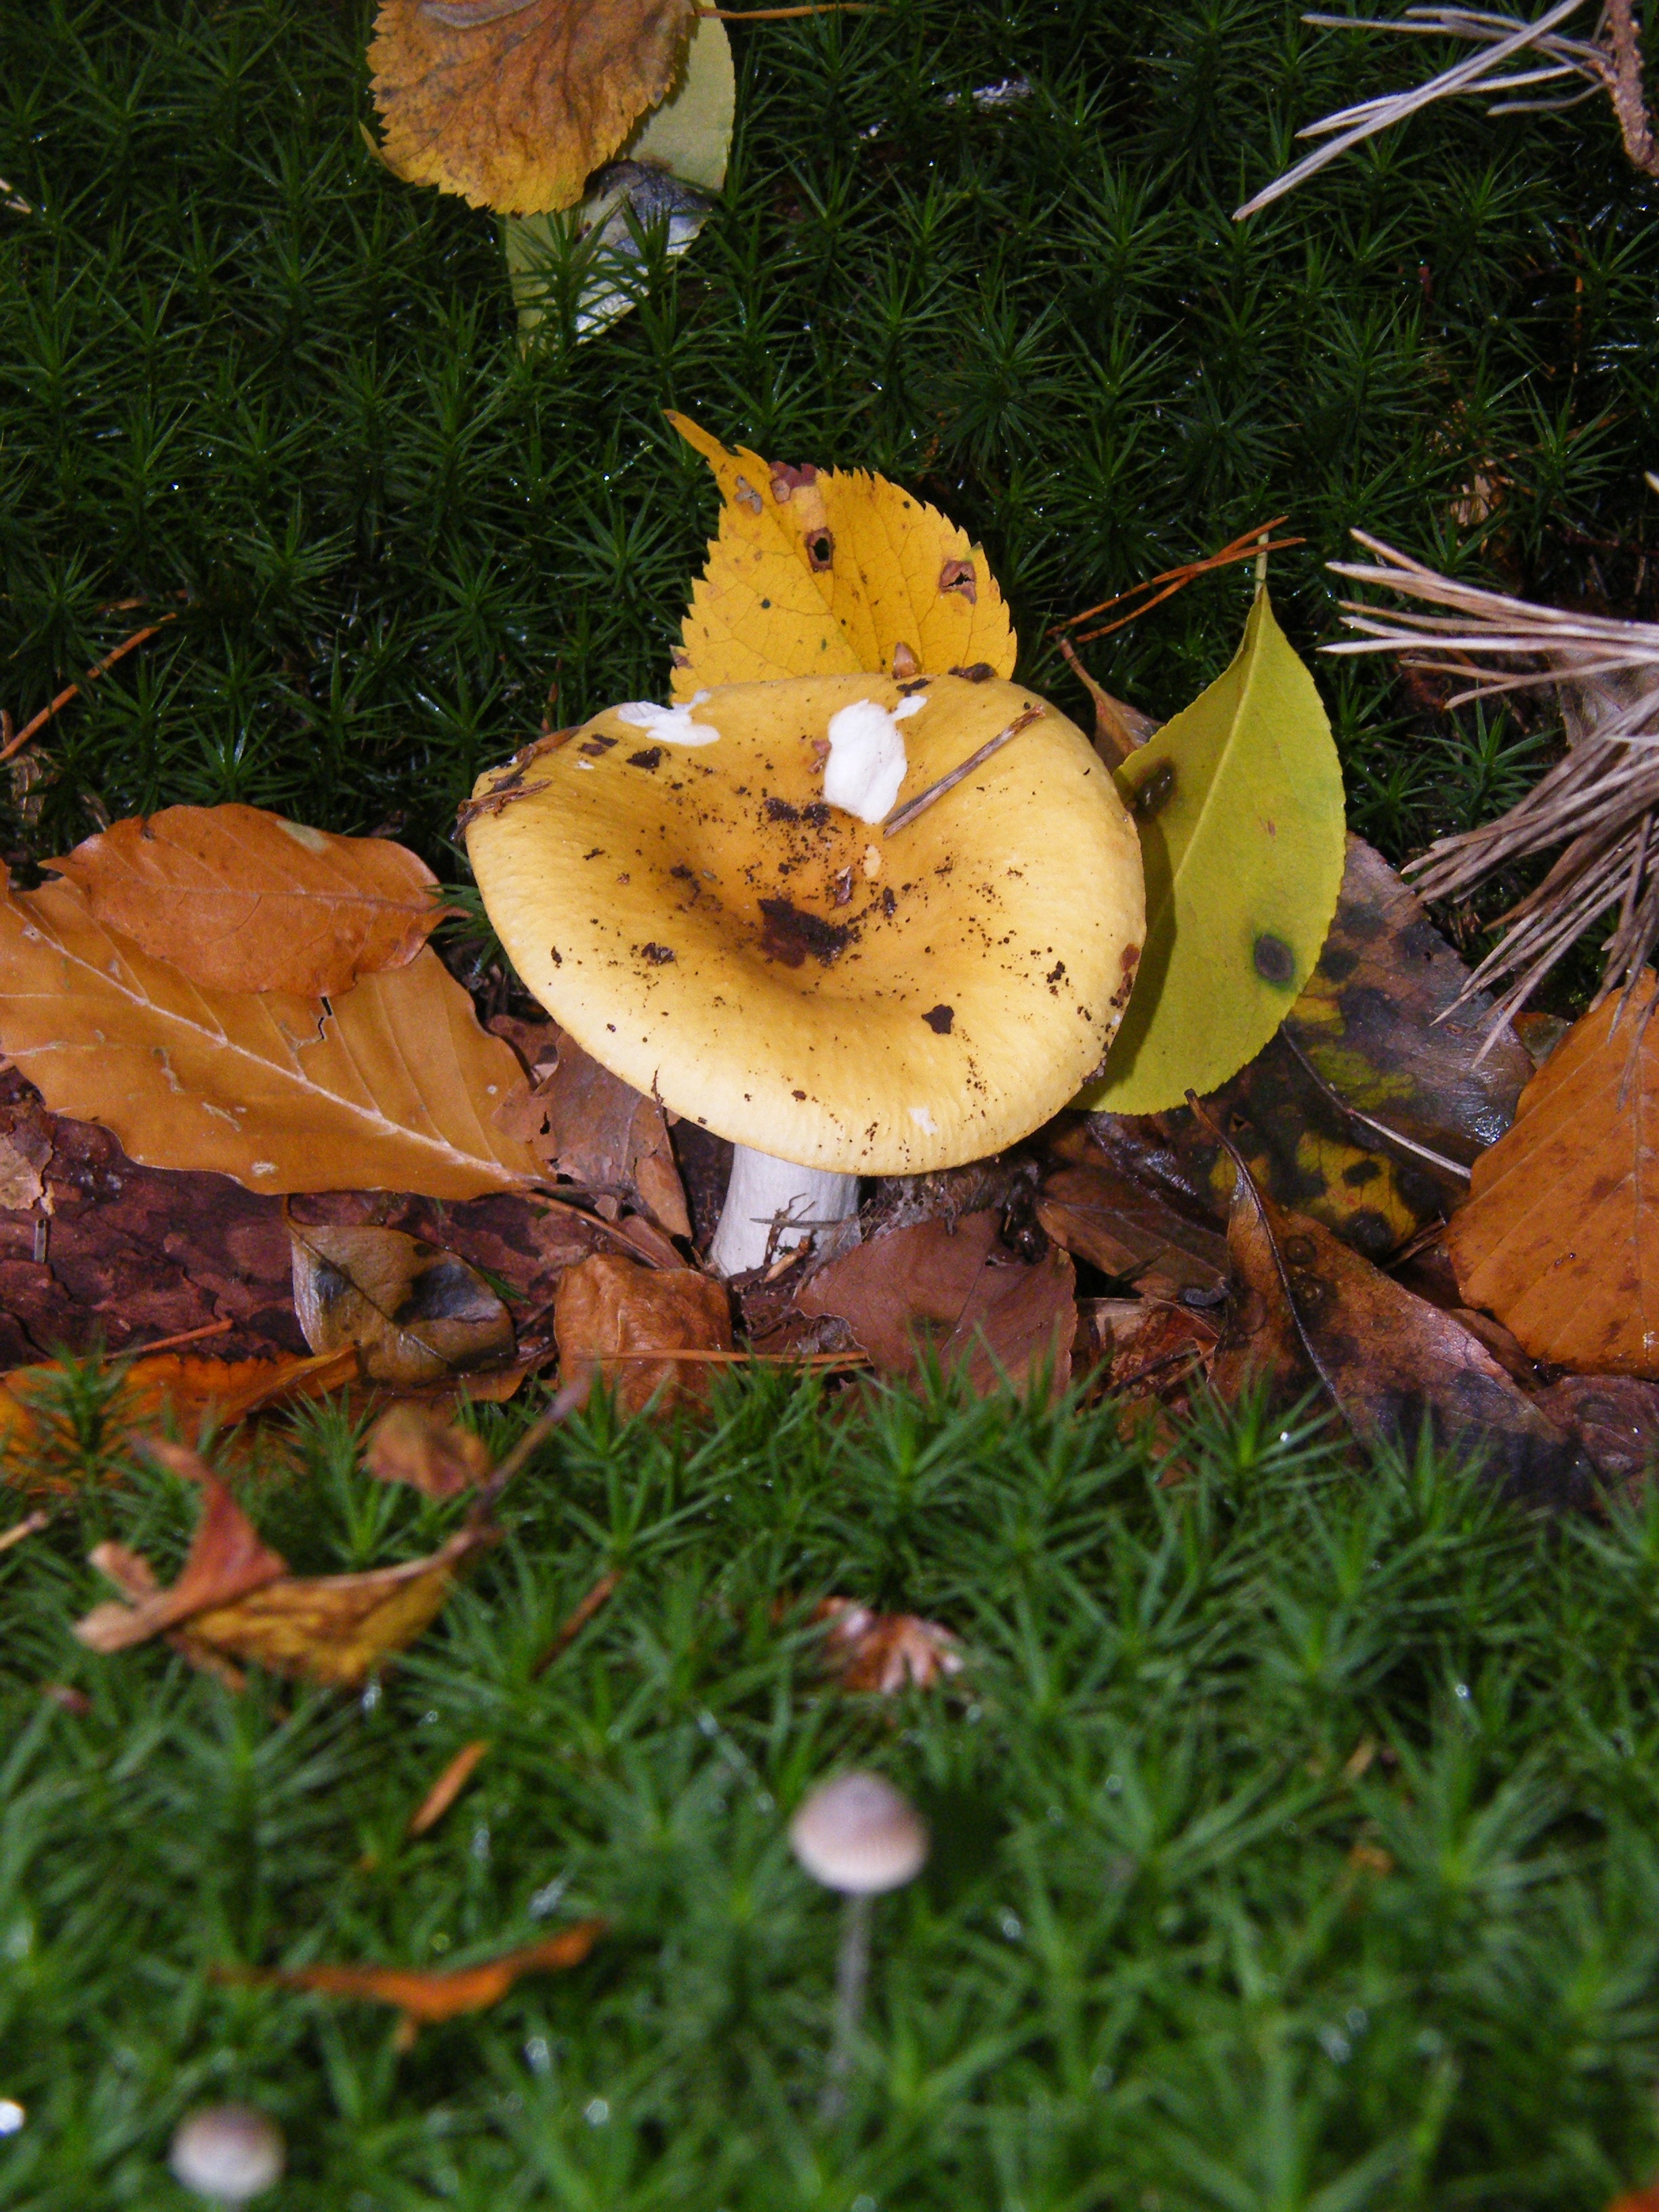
771, 1205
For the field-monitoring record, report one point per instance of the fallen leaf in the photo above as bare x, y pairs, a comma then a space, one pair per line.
417, 1314
447, 1787
612, 1312
666, 172
599, 1131
830, 572
435, 1457
1310, 1313
240, 900
226, 1561
511, 103
1560, 1234
392, 1086
423, 1998
1126, 1231
1375, 1023
235, 1597
337, 1629
1615, 1418
883, 1653
1145, 1347
185, 1388
957, 1295
1238, 801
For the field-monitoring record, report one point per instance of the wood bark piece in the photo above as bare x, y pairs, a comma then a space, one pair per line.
393, 1087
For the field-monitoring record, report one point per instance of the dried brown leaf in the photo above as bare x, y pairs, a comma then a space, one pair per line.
883, 1653
227, 1561
423, 1997
595, 1129
959, 1296
241, 900
1614, 1417
1560, 1234
1310, 1313
435, 1457
513, 103
417, 1314
392, 1086
1101, 1215
612, 1314
337, 1629
25, 1151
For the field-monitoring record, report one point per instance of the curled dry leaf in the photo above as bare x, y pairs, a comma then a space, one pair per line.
235, 1599
186, 1388
1615, 1418
612, 1312
884, 1652
1560, 1234
1102, 1215
957, 1295
1142, 1347
417, 1314
1238, 801
1310, 1313
591, 1126
425, 1997
393, 1087
241, 900
435, 1457
25, 1151
226, 1561
829, 572
1376, 1025
511, 103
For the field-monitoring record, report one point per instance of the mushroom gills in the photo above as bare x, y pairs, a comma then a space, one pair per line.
767, 1195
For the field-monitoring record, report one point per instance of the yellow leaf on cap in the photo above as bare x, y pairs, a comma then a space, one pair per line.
1238, 801
512, 106
828, 572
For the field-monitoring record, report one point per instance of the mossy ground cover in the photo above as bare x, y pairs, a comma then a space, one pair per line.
247, 378
1296, 1834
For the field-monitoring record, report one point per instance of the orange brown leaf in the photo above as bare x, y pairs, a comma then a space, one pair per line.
1560, 1237
612, 1312
406, 1444
227, 1561
392, 1086
829, 572
512, 104
242, 900
426, 1997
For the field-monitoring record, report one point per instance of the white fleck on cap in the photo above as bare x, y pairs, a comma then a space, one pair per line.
858, 1835
230, 2151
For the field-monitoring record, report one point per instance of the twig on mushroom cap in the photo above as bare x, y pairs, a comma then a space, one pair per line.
1600, 802
902, 816
1610, 62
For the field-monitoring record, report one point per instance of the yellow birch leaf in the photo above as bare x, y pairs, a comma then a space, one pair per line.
514, 103
1239, 804
829, 572
392, 1085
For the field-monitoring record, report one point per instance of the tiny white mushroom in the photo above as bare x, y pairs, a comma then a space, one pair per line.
857, 1835
227, 2153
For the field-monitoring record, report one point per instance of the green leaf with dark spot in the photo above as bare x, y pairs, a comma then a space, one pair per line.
1238, 802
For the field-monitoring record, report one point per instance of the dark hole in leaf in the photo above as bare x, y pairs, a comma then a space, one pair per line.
820, 550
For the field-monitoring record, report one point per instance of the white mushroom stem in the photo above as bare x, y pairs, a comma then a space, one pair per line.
766, 1195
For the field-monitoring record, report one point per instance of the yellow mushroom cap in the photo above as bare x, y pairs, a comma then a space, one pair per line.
780, 971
